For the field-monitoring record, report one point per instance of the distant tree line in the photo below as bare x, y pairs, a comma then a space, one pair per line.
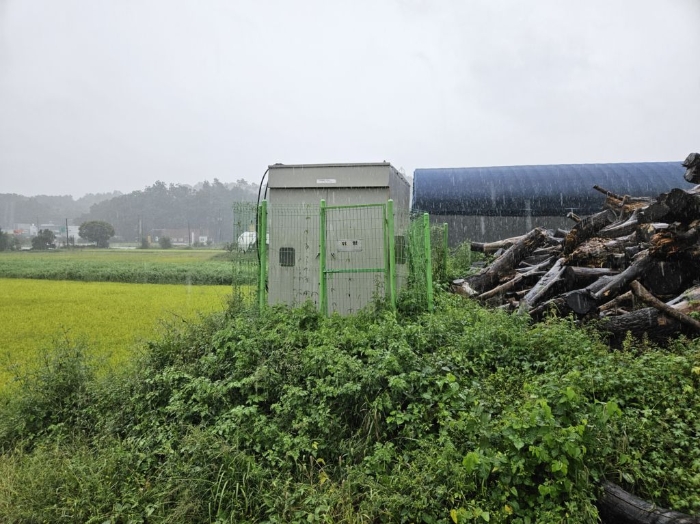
207, 206
43, 209
160, 206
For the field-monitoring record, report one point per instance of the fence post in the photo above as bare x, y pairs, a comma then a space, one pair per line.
261, 239
323, 296
445, 251
392, 253
428, 261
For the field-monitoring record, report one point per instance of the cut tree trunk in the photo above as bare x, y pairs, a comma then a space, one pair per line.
619, 229
669, 277
587, 228
644, 295
597, 252
491, 247
507, 262
637, 268
692, 168
616, 506
647, 321
617, 302
540, 266
578, 277
678, 205
665, 244
650, 321
581, 301
546, 284
502, 289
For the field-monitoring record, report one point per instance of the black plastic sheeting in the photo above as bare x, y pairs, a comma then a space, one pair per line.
550, 190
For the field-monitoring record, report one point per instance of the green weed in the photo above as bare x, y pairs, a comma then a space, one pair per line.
464, 415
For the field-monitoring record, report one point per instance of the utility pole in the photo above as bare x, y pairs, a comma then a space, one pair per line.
66, 233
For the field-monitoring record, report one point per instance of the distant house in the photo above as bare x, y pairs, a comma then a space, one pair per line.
484, 204
26, 230
182, 237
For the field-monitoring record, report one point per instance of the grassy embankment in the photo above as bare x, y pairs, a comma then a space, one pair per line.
464, 415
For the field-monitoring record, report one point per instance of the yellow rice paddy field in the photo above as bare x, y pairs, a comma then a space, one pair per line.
112, 318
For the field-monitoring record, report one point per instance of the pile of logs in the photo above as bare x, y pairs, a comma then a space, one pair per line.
635, 265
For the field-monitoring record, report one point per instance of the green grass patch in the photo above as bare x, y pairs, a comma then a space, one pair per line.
111, 317
176, 266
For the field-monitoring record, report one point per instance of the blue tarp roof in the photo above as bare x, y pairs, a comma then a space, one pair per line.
550, 190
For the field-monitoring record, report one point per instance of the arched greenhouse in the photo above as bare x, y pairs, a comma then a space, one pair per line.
490, 203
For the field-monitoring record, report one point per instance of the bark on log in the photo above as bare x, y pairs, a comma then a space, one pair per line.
581, 301
608, 193
573, 216
506, 263
685, 206
647, 321
638, 267
619, 229
502, 289
646, 232
577, 277
578, 301
665, 244
551, 250
653, 213
692, 171
617, 302
644, 295
616, 506
650, 321
596, 252
587, 228
491, 247
535, 259
678, 205
546, 284
540, 266
688, 301
670, 277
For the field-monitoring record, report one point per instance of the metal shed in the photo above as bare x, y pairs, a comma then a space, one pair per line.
329, 229
490, 203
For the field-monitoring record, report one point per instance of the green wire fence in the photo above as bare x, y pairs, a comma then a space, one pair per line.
341, 258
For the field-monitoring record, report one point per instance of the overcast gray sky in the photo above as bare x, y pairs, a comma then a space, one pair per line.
103, 95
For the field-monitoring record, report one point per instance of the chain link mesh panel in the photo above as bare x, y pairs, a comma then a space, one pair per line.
244, 254
357, 242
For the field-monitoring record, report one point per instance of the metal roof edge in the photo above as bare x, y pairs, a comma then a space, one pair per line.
347, 164
402, 176
679, 162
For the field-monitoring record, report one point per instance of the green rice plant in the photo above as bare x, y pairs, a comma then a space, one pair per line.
201, 267
110, 317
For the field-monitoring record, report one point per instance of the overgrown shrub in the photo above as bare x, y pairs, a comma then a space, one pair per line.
52, 396
464, 415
